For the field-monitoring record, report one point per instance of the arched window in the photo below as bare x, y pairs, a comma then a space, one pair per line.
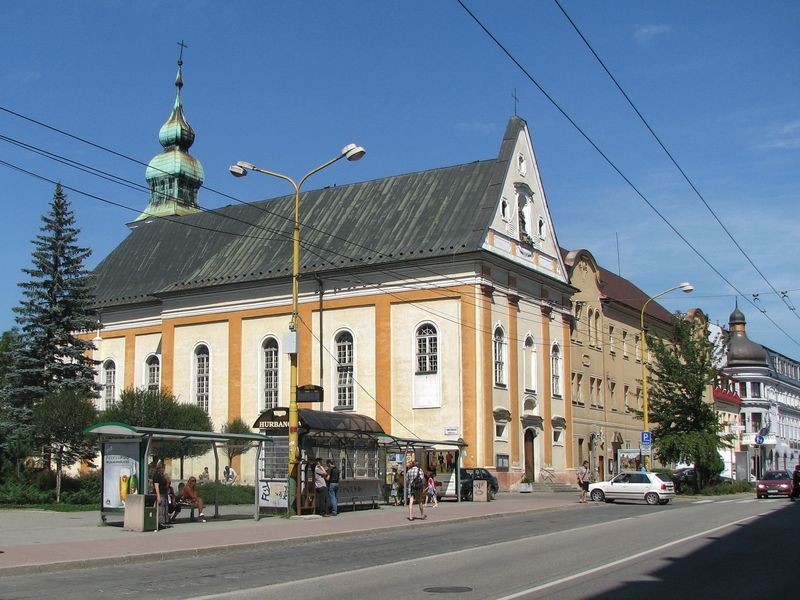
344, 371
555, 358
499, 357
427, 349
202, 374
531, 367
596, 325
153, 372
109, 383
269, 350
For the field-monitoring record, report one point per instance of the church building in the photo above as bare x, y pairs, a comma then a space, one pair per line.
437, 303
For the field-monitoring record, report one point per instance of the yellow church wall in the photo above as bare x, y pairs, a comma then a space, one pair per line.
144, 346
426, 422
187, 338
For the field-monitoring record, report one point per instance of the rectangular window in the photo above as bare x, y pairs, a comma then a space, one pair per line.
626, 392
592, 400
624, 344
612, 392
501, 462
501, 430
611, 347
755, 389
599, 392
153, 374
344, 372
270, 375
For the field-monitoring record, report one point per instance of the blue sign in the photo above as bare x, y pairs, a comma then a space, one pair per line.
647, 438
759, 439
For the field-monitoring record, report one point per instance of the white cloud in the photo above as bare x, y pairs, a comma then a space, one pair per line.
783, 137
645, 33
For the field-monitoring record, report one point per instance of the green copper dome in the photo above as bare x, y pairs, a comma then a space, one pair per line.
174, 176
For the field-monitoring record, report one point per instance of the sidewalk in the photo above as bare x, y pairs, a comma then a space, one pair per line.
35, 541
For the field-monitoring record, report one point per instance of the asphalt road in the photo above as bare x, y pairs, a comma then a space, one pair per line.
724, 548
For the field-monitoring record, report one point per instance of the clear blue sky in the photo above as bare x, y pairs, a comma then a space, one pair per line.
285, 85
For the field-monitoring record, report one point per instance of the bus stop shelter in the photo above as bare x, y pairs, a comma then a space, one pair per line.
124, 451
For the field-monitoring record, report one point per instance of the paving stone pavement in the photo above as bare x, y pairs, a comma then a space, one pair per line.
39, 541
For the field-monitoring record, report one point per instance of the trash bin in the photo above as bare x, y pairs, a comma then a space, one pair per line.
141, 512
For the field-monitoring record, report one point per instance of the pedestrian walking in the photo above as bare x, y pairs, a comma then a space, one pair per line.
430, 491
584, 477
416, 488
333, 488
795, 483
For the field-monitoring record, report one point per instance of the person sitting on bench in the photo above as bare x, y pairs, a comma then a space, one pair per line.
191, 498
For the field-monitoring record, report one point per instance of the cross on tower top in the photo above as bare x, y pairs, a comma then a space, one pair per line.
516, 100
180, 57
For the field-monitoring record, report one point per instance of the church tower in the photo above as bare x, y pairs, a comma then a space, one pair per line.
174, 176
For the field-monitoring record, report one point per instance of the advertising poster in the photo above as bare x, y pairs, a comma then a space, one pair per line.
629, 459
273, 493
120, 473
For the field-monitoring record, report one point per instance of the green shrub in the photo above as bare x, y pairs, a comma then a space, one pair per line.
228, 494
20, 493
721, 489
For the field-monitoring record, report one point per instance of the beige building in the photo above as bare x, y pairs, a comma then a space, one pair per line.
606, 361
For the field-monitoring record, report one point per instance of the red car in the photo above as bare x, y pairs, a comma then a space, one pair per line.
774, 483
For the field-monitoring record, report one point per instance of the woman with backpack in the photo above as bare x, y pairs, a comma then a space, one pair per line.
416, 487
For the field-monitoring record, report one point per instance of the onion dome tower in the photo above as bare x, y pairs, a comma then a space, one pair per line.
174, 176
742, 352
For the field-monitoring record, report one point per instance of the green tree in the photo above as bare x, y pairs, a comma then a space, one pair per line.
232, 448
160, 409
59, 420
685, 426
47, 355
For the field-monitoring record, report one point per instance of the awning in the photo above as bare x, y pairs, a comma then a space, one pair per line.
117, 430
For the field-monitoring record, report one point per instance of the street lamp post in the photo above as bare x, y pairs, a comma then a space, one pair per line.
684, 287
351, 152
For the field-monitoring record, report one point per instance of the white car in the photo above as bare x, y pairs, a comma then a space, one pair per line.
653, 488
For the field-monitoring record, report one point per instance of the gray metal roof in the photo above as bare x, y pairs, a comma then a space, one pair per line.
435, 213
442, 212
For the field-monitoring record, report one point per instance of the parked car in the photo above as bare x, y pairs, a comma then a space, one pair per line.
774, 483
471, 474
683, 478
653, 488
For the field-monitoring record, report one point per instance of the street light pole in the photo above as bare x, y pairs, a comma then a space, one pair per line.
351, 152
684, 287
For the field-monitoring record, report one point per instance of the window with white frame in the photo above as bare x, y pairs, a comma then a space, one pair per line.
427, 349
109, 383
611, 347
345, 391
270, 359
555, 358
499, 357
624, 344
637, 348
202, 376
531, 366
153, 372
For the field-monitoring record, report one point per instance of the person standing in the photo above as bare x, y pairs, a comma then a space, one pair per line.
333, 488
321, 487
795, 483
160, 488
416, 488
584, 476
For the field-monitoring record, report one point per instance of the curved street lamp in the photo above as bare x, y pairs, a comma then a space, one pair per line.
684, 287
351, 152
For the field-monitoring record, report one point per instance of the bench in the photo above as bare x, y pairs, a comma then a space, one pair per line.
354, 501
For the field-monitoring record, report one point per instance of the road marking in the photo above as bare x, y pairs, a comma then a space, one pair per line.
725, 501
621, 561
702, 501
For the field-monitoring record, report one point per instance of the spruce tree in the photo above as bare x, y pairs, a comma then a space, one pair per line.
47, 356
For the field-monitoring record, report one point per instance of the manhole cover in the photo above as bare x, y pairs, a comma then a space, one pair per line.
452, 589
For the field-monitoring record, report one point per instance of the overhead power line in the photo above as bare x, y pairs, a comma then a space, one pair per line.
613, 165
